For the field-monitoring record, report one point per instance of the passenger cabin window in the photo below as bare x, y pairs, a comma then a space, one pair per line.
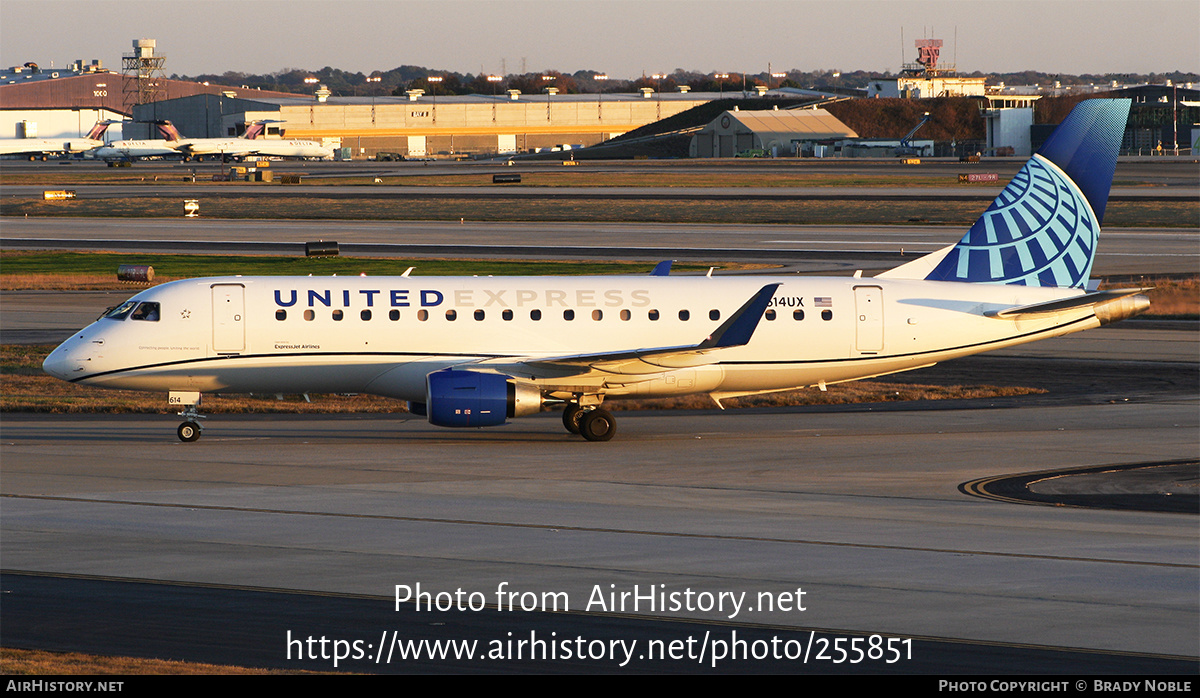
597, 314
625, 314
684, 315
507, 314
309, 314
422, 315
451, 315
121, 311
653, 314
714, 315
535, 314
826, 314
281, 314
770, 314
797, 314
393, 315
568, 314
365, 314
337, 315
479, 314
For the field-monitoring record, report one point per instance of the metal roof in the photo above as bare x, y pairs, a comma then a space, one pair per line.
812, 124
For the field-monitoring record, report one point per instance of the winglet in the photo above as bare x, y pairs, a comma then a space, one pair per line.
739, 328
663, 268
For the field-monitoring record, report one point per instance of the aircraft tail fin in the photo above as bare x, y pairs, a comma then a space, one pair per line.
168, 131
254, 130
97, 132
1042, 229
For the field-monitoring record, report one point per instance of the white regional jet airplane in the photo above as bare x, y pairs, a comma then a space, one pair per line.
198, 148
475, 351
284, 148
35, 148
132, 149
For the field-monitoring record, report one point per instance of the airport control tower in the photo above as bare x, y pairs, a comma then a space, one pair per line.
927, 78
143, 73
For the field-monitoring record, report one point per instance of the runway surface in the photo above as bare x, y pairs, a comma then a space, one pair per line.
1159, 171
827, 249
861, 510
318, 191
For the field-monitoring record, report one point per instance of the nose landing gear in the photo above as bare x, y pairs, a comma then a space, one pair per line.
191, 428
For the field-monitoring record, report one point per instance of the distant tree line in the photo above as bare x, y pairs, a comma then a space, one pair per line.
398, 81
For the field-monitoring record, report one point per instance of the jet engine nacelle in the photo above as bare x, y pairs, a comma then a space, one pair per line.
461, 398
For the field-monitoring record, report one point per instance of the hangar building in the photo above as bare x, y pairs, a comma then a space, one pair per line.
420, 125
67, 102
775, 132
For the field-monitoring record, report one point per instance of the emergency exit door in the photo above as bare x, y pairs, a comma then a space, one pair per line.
229, 313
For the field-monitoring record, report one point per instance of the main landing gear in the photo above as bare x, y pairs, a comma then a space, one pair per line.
595, 424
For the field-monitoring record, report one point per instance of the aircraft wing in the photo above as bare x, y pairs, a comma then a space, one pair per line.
734, 332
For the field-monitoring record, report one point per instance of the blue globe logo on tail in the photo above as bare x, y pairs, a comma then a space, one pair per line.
1042, 229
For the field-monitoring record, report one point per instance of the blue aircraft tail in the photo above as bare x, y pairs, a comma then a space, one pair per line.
1042, 229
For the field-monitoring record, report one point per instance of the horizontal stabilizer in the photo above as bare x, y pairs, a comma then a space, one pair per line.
1099, 299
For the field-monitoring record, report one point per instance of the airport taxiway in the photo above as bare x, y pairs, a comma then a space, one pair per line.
807, 248
859, 508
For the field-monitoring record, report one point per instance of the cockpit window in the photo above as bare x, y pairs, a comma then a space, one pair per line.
121, 311
146, 311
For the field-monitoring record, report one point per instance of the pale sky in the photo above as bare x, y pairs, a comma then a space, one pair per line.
625, 38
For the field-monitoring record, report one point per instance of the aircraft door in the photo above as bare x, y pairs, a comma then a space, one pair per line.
229, 312
868, 319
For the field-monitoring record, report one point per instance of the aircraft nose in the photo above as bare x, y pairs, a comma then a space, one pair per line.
65, 362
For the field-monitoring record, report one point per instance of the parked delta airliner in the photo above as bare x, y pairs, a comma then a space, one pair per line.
34, 148
476, 351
